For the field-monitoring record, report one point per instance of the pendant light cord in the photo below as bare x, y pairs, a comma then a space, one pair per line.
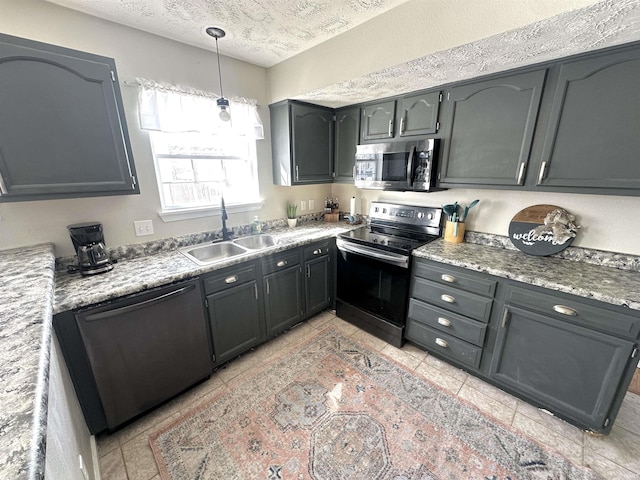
219, 71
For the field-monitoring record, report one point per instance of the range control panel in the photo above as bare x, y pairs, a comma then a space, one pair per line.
405, 214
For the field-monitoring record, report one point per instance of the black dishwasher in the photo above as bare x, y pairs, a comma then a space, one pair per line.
132, 354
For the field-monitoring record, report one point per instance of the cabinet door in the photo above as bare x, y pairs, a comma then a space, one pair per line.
317, 284
419, 114
347, 137
571, 370
62, 128
235, 320
491, 130
312, 144
377, 121
592, 138
283, 299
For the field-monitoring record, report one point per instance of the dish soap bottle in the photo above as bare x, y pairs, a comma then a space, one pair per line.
257, 226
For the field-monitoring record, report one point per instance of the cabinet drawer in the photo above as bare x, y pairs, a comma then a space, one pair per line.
446, 276
604, 319
444, 344
281, 260
316, 250
229, 277
447, 322
452, 299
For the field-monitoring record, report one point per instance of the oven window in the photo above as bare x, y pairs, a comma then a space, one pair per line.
394, 167
373, 286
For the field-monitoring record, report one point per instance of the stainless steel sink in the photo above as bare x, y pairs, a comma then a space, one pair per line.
213, 252
256, 242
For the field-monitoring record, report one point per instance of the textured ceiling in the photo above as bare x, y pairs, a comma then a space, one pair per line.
262, 32
266, 32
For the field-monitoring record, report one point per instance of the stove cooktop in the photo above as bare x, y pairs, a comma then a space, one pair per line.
385, 241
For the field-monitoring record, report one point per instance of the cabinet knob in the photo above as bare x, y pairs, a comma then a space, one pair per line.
565, 310
231, 279
401, 125
448, 278
441, 343
317, 251
448, 298
391, 128
282, 263
444, 322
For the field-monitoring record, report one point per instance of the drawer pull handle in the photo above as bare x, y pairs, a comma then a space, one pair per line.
448, 278
282, 263
565, 310
231, 279
441, 343
444, 322
448, 298
317, 251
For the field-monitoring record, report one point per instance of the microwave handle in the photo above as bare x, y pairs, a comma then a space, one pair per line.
412, 154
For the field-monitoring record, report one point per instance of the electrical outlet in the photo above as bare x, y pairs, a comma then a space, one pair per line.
303, 205
143, 227
312, 204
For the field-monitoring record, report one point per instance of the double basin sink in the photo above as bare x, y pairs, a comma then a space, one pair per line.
216, 252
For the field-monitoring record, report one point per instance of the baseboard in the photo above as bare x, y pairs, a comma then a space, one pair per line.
94, 457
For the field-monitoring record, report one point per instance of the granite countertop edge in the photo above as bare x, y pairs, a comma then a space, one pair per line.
601, 283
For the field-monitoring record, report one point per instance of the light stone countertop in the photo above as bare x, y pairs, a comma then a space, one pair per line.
587, 280
26, 303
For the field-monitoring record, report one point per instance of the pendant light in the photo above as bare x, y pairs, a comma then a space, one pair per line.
222, 102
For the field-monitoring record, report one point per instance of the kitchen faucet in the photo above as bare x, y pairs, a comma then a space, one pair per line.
226, 235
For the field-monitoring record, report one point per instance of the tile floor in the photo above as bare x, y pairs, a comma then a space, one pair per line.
126, 455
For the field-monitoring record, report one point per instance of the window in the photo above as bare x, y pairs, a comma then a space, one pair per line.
195, 170
198, 158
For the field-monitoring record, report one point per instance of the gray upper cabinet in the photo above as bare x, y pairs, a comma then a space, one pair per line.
378, 121
302, 143
62, 127
491, 126
592, 141
419, 114
346, 139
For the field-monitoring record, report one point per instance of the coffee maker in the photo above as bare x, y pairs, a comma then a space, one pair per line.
88, 241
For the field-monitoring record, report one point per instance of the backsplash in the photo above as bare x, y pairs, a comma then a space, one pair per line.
173, 243
621, 261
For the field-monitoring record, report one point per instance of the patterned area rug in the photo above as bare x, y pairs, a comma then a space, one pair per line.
331, 409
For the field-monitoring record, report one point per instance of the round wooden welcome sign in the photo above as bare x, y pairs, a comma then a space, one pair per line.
542, 230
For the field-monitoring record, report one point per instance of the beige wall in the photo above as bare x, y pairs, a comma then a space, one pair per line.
137, 54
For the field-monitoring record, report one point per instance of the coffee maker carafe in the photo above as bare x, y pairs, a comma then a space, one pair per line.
88, 241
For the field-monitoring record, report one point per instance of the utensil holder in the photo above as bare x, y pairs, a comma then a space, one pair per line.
452, 233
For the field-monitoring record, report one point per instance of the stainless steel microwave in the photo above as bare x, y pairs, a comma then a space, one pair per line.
397, 166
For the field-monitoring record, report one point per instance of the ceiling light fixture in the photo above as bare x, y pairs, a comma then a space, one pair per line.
222, 102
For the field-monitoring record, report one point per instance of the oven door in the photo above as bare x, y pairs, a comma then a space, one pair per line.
374, 281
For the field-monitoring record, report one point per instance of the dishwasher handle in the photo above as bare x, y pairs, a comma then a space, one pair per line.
144, 304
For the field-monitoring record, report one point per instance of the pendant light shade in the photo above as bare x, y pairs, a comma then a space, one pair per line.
223, 103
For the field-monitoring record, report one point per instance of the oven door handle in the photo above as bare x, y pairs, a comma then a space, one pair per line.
394, 259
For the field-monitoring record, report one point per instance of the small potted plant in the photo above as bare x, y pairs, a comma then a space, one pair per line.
292, 219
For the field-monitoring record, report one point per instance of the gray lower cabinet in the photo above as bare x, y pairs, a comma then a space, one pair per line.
302, 143
571, 356
449, 312
235, 313
591, 138
282, 286
347, 139
129, 355
319, 276
63, 132
491, 127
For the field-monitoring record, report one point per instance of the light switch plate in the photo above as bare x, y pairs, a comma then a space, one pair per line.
143, 227
312, 204
303, 205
